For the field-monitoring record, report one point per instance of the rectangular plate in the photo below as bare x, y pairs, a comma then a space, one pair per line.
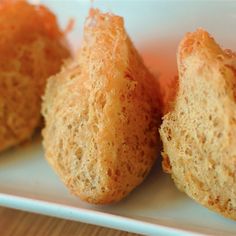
155, 207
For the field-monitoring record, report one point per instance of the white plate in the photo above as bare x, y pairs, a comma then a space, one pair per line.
156, 207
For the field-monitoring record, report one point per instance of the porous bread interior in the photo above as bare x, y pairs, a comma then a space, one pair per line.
102, 115
199, 133
30, 51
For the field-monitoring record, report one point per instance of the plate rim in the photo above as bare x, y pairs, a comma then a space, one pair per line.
88, 216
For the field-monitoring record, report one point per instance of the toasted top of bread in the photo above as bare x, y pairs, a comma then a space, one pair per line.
102, 115
199, 132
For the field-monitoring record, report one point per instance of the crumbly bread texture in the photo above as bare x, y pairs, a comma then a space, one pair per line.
199, 132
31, 50
101, 113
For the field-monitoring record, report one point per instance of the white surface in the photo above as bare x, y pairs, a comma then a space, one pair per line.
156, 207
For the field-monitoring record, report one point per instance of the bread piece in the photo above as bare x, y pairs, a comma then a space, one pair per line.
101, 113
199, 133
31, 49
169, 89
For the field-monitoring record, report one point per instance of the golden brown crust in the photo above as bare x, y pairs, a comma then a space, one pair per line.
30, 51
168, 95
102, 115
199, 134
166, 163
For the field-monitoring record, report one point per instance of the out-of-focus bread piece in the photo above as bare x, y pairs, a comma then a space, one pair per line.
199, 132
102, 117
31, 50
